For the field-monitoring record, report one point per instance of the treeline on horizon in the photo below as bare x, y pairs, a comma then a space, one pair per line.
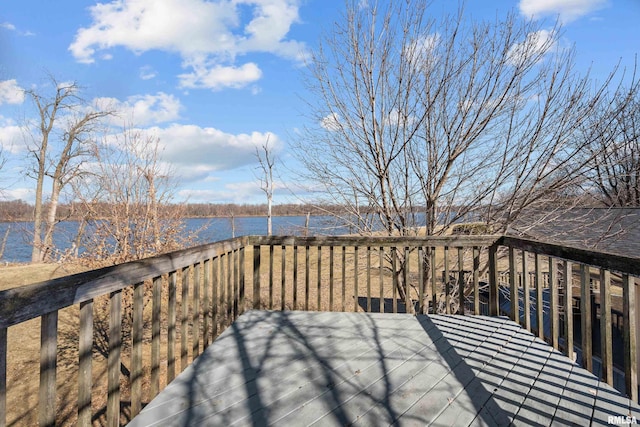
19, 210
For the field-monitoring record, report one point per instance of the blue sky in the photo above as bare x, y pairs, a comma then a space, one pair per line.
213, 79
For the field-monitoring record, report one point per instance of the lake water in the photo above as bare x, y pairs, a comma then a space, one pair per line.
18, 247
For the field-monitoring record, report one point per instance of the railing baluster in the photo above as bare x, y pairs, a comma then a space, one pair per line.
539, 296
515, 313
630, 349
223, 290
270, 277
256, 277
553, 303
307, 271
606, 340
585, 317
356, 261
85, 348
236, 283
476, 280
215, 306
137, 337
405, 280
460, 280
113, 359
344, 278
283, 277
319, 278
230, 288
368, 279
195, 313
434, 288
331, 278
184, 321
295, 277
568, 308
525, 290
381, 273
48, 355
394, 268
156, 299
421, 280
447, 285
242, 280
206, 303
3, 377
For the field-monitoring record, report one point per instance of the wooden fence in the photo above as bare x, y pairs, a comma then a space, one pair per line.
193, 294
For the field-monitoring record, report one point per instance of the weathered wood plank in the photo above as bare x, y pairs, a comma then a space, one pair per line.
568, 309
114, 359
48, 358
421, 283
585, 318
344, 278
242, 280
307, 278
236, 283
539, 298
206, 303
230, 287
295, 278
553, 303
476, 280
434, 285
356, 263
85, 348
494, 306
513, 286
394, 270
184, 320
381, 277
630, 343
271, 277
3, 377
525, 291
368, 279
256, 277
319, 278
331, 277
461, 295
405, 281
283, 277
137, 337
387, 241
447, 282
196, 312
215, 283
606, 339
156, 300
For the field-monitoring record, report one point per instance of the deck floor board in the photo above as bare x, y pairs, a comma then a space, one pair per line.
318, 368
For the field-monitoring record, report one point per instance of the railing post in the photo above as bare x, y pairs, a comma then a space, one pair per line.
630, 364
155, 335
171, 328
526, 291
136, 350
48, 353
476, 281
585, 317
568, 308
85, 347
494, 302
3, 377
113, 359
553, 303
539, 296
242, 278
256, 277
606, 340
515, 307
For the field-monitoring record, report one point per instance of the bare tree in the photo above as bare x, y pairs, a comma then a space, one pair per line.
128, 201
612, 176
265, 157
424, 122
65, 125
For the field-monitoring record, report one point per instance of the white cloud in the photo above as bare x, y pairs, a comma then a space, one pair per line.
8, 26
535, 44
201, 32
11, 136
567, 10
10, 92
144, 109
199, 150
26, 194
331, 122
147, 73
219, 77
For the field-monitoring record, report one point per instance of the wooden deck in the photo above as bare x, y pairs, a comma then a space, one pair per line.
320, 368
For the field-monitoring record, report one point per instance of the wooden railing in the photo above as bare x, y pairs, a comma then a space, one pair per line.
187, 297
